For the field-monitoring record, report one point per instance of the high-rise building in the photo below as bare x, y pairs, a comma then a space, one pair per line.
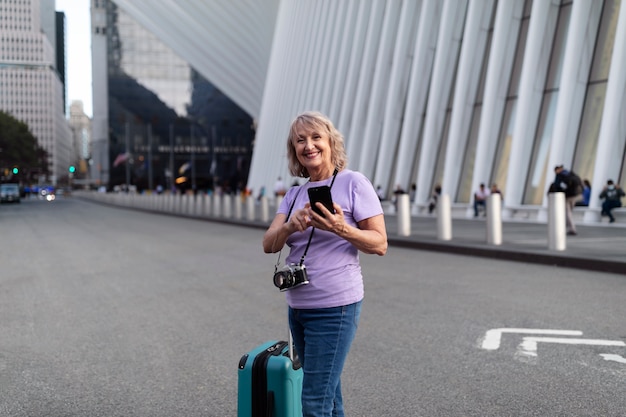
157, 121
31, 84
81, 140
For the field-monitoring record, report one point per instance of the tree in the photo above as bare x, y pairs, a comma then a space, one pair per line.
19, 148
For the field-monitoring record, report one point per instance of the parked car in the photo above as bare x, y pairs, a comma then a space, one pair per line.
9, 193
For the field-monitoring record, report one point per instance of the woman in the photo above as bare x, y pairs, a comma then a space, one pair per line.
324, 314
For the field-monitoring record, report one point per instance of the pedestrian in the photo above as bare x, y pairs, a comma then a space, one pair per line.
323, 315
279, 187
480, 199
413, 193
495, 190
612, 194
569, 183
434, 198
586, 194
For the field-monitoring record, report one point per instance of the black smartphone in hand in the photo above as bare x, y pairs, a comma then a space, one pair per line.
321, 195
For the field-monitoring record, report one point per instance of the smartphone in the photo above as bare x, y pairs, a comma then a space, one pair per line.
321, 195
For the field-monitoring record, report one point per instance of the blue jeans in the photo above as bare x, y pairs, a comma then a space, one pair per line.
479, 203
322, 338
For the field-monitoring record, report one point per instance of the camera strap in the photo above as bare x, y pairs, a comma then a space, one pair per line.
312, 229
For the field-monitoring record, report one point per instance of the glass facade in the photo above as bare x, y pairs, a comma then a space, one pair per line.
168, 126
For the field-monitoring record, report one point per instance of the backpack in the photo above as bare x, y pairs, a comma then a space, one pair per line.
574, 185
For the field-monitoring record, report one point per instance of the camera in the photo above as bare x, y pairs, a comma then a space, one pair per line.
290, 276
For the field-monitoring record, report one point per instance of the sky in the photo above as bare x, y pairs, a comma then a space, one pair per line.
78, 50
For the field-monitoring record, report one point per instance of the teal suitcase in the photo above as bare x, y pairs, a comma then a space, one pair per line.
270, 382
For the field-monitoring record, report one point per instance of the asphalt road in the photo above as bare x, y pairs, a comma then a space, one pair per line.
112, 312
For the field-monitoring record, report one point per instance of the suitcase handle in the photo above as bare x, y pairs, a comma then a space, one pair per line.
290, 345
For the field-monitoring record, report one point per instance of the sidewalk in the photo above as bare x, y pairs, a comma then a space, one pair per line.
598, 248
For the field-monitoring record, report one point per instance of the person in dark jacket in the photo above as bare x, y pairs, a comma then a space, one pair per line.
612, 195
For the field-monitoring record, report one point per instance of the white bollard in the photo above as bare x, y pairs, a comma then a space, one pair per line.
227, 212
556, 221
494, 219
250, 215
265, 210
217, 205
444, 218
199, 209
237, 209
404, 215
208, 200
279, 199
186, 204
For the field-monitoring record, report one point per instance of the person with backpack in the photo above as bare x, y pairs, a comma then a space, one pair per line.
612, 195
569, 183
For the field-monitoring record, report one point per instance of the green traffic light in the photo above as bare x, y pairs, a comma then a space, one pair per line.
72, 168
16, 171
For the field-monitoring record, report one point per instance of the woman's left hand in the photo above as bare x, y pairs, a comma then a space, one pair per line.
332, 222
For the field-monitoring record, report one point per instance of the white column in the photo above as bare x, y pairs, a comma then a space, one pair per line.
612, 137
532, 81
574, 78
378, 92
309, 53
338, 84
365, 79
465, 92
419, 81
396, 93
348, 96
499, 69
267, 164
448, 44
331, 32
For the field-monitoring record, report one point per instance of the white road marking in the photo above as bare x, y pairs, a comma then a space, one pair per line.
528, 347
492, 338
612, 357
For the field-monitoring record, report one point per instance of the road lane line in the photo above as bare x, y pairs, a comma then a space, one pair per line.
528, 347
491, 340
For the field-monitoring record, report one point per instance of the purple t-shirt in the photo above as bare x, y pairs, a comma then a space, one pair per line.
332, 263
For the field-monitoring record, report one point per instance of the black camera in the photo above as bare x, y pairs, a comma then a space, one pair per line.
290, 276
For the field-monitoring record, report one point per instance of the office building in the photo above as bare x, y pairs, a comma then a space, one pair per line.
80, 124
157, 121
32, 87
